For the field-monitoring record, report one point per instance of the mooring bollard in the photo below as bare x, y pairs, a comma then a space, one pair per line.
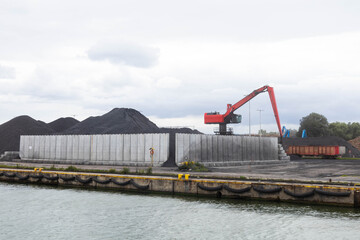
186, 176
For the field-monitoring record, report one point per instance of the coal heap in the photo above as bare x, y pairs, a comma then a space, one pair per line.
180, 130
62, 124
351, 151
23, 125
118, 120
355, 142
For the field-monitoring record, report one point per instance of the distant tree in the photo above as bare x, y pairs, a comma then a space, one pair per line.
263, 132
268, 134
354, 128
346, 131
340, 129
293, 132
316, 125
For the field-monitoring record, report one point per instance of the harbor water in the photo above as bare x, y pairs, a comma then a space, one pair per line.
38, 212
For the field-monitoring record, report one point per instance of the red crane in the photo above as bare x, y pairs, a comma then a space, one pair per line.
231, 117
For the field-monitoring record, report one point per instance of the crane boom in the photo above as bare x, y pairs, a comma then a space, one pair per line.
230, 117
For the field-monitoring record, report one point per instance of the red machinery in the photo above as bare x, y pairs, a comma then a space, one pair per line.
230, 117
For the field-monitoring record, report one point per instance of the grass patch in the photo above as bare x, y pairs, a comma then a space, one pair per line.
52, 168
347, 158
148, 171
140, 171
72, 169
350, 176
192, 166
125, 170
17, 166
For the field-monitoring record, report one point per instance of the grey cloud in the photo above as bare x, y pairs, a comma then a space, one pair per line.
7, 72
47, 85
125, 53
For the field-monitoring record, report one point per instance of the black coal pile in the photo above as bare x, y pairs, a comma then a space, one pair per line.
180, 130
355, 142
351, 151
121, 121
118, 120
23, 125
62, 124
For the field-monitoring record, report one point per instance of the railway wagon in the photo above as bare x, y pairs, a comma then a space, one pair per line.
322, 151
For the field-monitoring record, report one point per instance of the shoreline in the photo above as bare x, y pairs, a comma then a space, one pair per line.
195, 184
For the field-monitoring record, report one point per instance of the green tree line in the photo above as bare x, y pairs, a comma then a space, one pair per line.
317, 125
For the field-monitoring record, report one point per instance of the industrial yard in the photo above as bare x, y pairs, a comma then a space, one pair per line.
95, 153
180, 119
129, 121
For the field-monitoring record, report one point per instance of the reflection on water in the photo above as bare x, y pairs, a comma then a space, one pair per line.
29, 212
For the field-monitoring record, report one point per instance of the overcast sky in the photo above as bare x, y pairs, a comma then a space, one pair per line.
175, 60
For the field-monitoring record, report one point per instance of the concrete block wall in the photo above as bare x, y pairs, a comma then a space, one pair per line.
114, 149
216, 150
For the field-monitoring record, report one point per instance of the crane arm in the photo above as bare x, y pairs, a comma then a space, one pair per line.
212, 118
232, 108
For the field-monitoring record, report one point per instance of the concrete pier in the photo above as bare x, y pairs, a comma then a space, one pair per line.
325, 194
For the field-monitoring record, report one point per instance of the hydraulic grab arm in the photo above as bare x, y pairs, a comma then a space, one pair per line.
230, 117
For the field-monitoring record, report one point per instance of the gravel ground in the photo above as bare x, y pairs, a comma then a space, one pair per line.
303, 170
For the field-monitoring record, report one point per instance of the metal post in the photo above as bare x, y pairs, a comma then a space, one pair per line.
152, 155
260, 110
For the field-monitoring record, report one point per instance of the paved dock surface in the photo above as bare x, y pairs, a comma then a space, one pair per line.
301, 170
304, 169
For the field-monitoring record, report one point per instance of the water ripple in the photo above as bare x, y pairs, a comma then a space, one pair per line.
58, 213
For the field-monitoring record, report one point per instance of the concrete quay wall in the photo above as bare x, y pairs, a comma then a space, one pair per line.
215, 150
110, 149
134, 149
289, 192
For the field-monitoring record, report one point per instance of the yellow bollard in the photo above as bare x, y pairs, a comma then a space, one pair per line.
35, 169
187, 176
180, 176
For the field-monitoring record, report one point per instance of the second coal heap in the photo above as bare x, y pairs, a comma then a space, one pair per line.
118, 120
23, 125
62, 124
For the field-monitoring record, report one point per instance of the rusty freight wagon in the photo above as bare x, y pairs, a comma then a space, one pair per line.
321, 151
